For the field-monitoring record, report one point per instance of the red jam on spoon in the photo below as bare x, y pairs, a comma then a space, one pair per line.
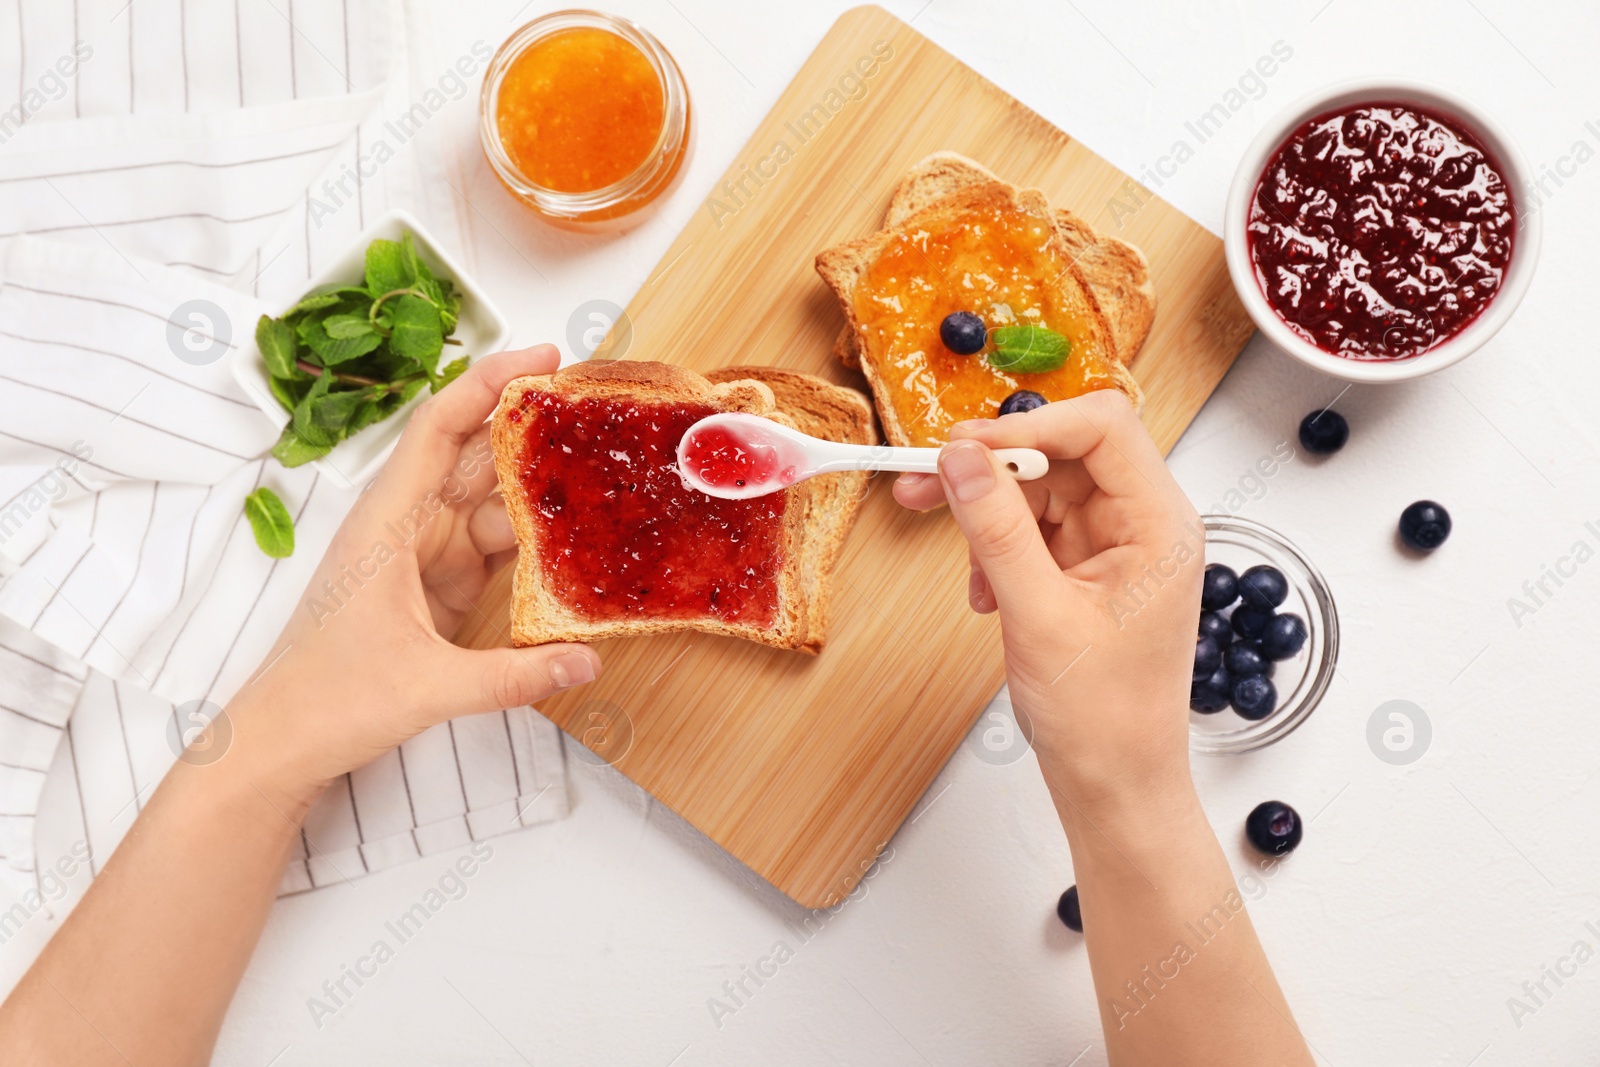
1380, 231
727, 458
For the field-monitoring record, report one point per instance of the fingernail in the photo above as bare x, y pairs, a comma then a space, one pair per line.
571, 668
975, 588
911, 480
967, 470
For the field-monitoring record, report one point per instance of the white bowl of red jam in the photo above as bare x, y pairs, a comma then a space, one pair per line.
1380, 230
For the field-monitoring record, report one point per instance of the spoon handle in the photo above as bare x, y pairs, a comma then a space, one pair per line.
1025, 464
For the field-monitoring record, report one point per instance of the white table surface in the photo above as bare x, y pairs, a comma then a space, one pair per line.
1423, 897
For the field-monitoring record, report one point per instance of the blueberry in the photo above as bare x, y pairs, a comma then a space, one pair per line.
1263, 586
1220, 587
1207, 656
1249, 621
1254, 697
1208, 695
963, 333
1284, 636
1274, 828
1022, 400
1068, 911
1216, 627
1245, 658
1424, 525
1324, 432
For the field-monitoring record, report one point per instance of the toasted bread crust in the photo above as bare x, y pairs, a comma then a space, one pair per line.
834, 413
537, 615
1113, 274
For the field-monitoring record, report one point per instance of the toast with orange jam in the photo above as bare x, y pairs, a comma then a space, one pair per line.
957, 238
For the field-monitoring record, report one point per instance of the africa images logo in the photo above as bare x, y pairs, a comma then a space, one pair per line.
51, 86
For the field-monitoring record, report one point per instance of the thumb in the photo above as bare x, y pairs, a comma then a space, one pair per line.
468, 682
1000, 527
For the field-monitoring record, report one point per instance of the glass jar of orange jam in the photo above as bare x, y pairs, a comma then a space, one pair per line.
584, 117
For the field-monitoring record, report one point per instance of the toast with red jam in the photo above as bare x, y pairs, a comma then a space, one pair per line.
612, 543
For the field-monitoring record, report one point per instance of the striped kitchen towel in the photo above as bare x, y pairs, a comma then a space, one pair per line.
161, 157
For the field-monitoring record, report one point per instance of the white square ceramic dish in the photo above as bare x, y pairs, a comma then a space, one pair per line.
482, 330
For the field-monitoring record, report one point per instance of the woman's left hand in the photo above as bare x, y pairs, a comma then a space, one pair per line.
366, 661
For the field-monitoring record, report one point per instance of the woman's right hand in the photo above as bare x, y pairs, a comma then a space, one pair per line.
1095, 570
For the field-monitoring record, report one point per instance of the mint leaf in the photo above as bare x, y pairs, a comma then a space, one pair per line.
335, 350
313, 302
275, 339
328, 296
417, 332
437, 290
331, 413
368, 412
347, 325
449, 306
270, 522
1028, 349
396, 368
412, 388
420, 273
450, 372
304, 426
389, 267
292, 450
288, 392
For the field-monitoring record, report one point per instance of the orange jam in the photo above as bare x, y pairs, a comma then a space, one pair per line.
580, 109
1003, 265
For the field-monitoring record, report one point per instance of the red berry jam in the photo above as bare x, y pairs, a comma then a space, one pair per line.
622, 536
728, 459
1380, 231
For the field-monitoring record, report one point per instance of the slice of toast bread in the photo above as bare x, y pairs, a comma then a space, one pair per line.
1106, 280
833, 413
639, 506
1116, 272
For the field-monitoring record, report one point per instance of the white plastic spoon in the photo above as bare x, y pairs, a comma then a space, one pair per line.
736, 456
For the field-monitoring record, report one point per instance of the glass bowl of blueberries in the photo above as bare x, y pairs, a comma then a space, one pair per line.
1268, 639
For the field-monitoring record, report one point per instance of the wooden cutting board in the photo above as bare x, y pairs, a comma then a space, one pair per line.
801, 767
